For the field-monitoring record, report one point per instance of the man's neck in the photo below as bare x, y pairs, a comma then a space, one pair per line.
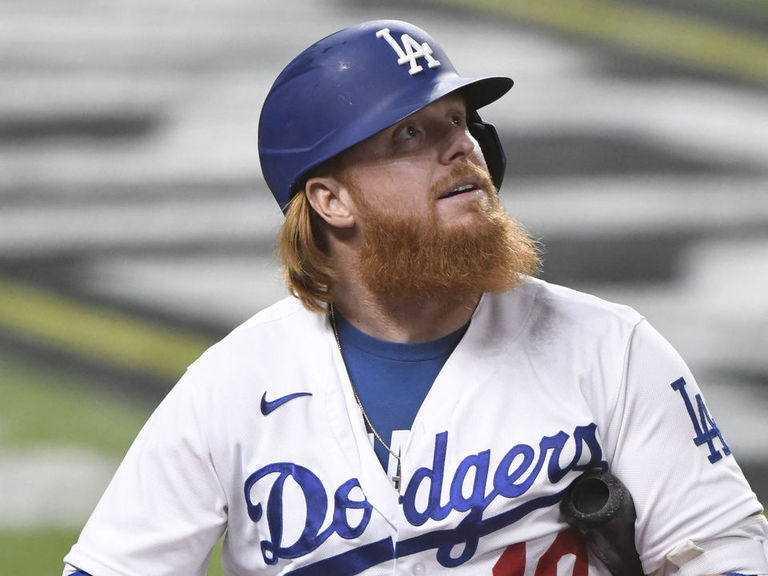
404, 321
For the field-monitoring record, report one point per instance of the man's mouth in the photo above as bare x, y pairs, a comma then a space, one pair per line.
464, 188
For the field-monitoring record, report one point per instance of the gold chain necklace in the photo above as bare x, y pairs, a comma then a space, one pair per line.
396, 477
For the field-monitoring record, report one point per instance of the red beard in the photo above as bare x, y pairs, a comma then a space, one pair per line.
403, 256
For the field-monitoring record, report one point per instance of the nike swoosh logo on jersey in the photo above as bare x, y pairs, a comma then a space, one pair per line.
268, 407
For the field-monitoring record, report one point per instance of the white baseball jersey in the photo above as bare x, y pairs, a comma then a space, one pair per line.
262, 437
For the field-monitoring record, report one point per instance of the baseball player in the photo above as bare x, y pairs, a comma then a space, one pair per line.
420, 403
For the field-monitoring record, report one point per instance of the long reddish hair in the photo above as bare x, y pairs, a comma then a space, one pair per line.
302, 247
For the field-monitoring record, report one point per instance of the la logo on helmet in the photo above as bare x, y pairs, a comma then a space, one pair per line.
410, 51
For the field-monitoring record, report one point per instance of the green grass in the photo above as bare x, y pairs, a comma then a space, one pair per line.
39, 551
651, 31
40, 407
757, 6
81, 328
35, 551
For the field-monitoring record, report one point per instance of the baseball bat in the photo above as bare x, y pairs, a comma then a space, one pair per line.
601, 509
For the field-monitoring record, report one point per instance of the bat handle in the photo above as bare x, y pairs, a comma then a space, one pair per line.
601, 509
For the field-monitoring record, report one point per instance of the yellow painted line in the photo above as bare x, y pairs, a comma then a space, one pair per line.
651, 31
96, 332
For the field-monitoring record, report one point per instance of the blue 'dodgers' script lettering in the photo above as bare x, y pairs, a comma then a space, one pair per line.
317, 505
515, 474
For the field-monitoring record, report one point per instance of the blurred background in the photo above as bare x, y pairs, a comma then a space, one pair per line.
136, 229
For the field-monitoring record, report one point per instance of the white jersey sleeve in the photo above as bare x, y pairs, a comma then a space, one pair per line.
165, 508
665, 445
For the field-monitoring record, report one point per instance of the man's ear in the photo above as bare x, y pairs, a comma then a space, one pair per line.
330, 200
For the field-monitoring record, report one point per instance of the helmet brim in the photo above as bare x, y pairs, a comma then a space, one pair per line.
477, 93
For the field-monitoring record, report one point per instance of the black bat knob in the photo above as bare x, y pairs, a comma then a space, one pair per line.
601, 509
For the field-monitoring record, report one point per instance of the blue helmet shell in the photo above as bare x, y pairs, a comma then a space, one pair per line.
353, 84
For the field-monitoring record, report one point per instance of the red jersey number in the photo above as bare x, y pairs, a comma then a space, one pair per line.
512, 561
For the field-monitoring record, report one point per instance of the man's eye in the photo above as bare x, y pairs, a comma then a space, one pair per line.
457, 120
406, 133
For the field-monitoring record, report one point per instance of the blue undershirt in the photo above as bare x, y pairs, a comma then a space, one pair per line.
392, 378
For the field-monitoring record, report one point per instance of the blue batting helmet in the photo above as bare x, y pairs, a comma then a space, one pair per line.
355, 83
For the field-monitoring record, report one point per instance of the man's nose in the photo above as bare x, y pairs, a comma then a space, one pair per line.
458, 144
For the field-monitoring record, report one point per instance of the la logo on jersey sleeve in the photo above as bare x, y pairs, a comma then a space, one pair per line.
704, 425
